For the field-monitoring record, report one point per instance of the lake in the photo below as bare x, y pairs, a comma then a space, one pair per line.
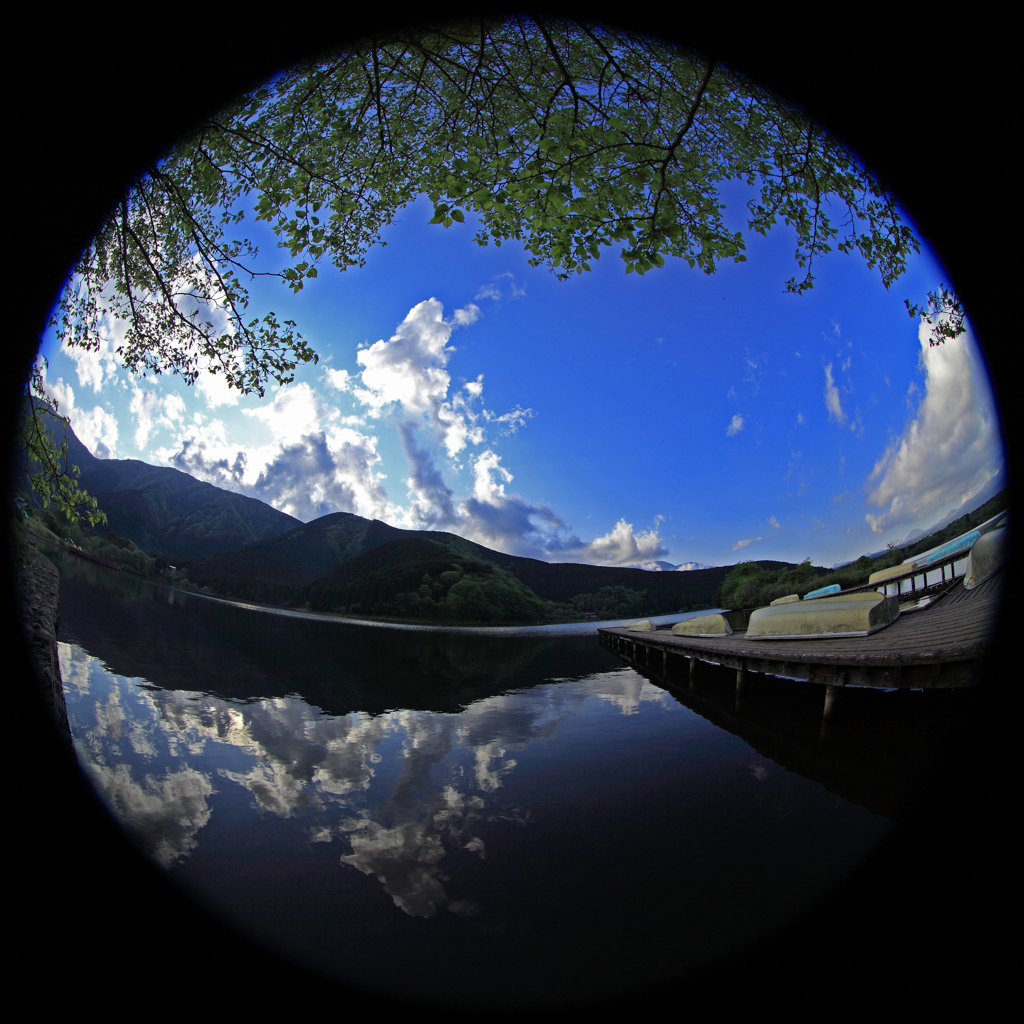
378, 805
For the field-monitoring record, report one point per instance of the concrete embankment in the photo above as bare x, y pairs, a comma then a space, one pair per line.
39, 588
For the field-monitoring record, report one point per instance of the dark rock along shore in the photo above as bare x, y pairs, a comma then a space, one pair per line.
39, 589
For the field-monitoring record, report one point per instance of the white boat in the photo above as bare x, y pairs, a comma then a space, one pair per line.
856, 614
987, 555
714, 624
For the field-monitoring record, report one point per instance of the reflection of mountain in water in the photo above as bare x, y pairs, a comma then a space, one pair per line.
184, 642
401, 791
384, 804
881, 746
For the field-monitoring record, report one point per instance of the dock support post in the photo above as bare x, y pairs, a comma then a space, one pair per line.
693, 673
831, 695
741, 679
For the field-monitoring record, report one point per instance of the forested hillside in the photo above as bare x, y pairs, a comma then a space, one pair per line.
343, 561
270, 571
164, 511
275, 571
242, 548
416, 578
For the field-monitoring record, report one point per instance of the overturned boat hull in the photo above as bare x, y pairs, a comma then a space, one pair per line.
844, 615
714, 624
987, 556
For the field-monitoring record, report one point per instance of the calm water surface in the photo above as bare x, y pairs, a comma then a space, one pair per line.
452, 817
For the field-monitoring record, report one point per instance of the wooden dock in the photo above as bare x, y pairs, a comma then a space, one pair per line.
936, 647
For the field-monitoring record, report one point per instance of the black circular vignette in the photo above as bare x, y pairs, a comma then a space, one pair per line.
915, 930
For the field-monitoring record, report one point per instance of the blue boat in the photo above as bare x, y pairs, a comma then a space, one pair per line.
963, 543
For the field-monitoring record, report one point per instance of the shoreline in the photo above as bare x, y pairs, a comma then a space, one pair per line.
38, 587
585, 627
590, 626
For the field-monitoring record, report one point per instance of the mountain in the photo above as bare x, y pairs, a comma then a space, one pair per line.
419, 577
282, 569
167, 512
271, 570
987, 492
870, 554
659, 566
972, 514
242, 548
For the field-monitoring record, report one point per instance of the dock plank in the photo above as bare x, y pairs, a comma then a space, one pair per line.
958, 628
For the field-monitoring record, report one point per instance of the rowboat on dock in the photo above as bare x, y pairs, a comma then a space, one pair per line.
860, 637
857, 614
986, 557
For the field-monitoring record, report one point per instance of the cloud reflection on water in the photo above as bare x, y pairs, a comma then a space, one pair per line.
398, 790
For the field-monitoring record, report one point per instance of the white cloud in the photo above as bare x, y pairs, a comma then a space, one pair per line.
60, 392
754, 370
408, 375
214, 387
495, 288
174, 410
143, 405
408, 372
832, 402
313, 465
623, 545
97, 430
489, 516
322, 473
153, 410
95, 366
740, 544
408, 369
735, 426
485, 488
510, 421
338, 378
294, 412
951, 447
467, 315
458, 421
489, 291
508, 522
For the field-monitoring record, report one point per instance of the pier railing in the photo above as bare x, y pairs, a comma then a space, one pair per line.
924, 582
920, 581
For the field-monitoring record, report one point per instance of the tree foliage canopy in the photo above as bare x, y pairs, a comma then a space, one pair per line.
568, 137
48, 469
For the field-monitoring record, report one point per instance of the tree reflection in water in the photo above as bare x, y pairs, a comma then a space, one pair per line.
379, 810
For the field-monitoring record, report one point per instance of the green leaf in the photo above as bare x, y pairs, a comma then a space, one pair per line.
562, 154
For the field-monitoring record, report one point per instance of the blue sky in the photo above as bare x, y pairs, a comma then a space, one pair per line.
610, 419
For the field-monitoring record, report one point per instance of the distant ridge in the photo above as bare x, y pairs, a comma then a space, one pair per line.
659, 566
973, 512
280, 569
242, 548
987, 493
